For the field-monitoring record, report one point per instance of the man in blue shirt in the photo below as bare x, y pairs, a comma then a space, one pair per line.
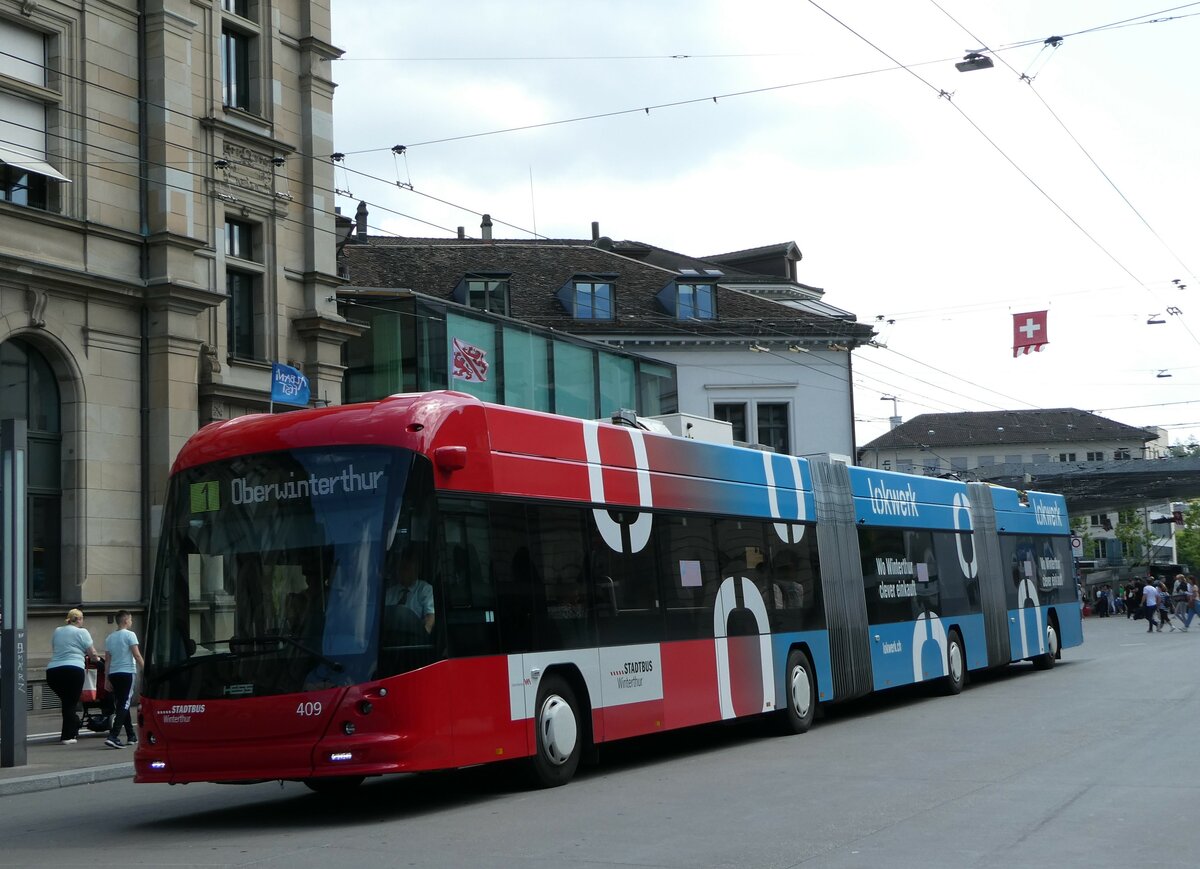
122, 658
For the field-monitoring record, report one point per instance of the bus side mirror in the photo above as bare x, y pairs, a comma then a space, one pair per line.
450, 458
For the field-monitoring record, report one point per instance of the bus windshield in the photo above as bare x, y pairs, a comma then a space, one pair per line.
270, 575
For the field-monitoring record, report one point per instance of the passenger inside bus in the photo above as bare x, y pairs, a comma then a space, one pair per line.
295, 614
785, 573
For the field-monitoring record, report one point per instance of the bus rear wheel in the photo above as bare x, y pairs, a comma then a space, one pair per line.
956, 665
801, 694
1046, 661
558, 732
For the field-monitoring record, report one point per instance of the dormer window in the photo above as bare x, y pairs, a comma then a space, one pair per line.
588, 298
483, 292
688, 298
696, 301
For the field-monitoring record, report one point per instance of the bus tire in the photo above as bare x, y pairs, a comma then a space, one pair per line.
956, 665
334, 785
1046, 661
558, 734
800, 694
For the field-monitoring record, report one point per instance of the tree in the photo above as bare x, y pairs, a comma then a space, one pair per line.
1135, 536
1187, 449
1187, 536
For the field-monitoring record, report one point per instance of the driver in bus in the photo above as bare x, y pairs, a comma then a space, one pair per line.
412, 592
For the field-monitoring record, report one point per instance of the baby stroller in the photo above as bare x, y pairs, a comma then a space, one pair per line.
95, 703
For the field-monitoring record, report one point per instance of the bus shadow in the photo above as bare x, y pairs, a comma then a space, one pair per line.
386, 798
908, 695
412, 796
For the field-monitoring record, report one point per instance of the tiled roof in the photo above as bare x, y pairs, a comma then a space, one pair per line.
1064, 425
538, 269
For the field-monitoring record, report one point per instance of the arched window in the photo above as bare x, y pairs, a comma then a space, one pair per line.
29, 391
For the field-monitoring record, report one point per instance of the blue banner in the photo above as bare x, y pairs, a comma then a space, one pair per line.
288, 386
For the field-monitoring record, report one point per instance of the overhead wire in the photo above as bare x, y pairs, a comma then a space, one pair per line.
646, 109
204, 157
1029, 81
372, 177
945, 95
835, 327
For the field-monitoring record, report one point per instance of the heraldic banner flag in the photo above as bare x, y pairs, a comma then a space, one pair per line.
1029, 332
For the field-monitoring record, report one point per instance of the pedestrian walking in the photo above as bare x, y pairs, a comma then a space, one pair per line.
1193, 600
1132, 601
1179, 600
1164, 607
1149, 603
71, 649
122, 660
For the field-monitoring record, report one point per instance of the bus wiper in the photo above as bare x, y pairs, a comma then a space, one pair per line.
156, 677
236, 653
336, 666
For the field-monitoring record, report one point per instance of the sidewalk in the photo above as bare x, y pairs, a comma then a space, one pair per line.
52, 765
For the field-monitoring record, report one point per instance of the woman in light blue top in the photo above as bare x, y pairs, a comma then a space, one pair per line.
72, 646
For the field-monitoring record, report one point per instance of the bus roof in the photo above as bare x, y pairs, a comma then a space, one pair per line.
520, 452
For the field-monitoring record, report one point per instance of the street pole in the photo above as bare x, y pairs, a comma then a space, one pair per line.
13, 688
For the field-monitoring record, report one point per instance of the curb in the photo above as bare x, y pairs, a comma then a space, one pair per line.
51, 780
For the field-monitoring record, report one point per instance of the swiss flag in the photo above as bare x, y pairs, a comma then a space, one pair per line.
1029, 332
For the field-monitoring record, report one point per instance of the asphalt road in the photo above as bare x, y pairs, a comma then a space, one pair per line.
1078, 766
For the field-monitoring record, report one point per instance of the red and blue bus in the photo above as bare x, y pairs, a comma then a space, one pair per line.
429, 582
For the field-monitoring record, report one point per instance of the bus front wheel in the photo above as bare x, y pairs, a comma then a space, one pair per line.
559, 734
801, 697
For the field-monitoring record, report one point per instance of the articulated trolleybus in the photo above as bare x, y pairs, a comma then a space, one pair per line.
429, 582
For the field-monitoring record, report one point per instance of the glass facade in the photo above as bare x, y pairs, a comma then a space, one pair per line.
574, 380
418, 344
526, 369
618, 384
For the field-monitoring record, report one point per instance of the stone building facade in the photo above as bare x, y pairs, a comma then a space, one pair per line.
167, 231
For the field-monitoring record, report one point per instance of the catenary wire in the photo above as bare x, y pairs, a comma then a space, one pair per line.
1028, 81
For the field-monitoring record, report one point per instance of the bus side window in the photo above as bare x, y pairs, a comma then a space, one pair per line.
740, 548
562, 617
796, 572
686, 551
466, 579
624, 586
511, 571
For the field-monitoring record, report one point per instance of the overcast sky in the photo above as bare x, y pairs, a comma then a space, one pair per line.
1076, 193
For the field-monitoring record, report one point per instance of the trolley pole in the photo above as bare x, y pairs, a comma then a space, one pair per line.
13, 688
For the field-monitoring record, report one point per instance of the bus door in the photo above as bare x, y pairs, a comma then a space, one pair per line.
1026, 617
842, 581
993, 574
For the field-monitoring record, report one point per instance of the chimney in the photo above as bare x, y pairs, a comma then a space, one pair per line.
360, 222
461, 233
595, 230
486, 227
